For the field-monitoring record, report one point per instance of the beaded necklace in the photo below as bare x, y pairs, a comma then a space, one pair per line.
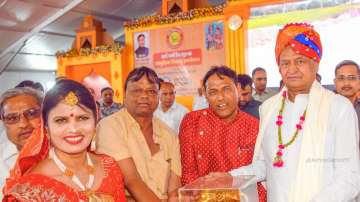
71, 174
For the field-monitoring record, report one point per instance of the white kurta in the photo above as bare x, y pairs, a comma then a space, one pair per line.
8, 156
173, 116
341, 181
199, 103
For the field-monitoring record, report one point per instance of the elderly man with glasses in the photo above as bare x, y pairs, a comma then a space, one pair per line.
20, 114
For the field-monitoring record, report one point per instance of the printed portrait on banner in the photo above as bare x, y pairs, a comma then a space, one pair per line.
141, 44
214, 36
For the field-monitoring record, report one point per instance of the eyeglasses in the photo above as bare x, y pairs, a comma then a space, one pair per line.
138, 92
349, 78
13, 118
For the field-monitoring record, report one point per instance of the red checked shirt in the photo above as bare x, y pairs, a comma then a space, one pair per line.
208, 144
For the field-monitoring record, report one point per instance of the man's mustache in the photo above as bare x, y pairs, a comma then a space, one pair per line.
346, 88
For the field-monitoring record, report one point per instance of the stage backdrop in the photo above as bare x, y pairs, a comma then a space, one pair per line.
181, 54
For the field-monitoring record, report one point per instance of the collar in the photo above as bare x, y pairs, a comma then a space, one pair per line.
133, 123
102, 104
266, 91
173, 107
299, 99
213, 116
251, 103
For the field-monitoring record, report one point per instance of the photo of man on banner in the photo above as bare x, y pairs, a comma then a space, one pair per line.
141, 41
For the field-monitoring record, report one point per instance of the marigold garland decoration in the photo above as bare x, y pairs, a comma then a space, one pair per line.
104, 50
195, 13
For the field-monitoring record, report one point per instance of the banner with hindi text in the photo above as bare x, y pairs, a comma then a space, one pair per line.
181, 54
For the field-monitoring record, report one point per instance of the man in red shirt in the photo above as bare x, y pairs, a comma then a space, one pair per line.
221, 137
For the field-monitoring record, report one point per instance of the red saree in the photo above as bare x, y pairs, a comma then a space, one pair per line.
30, 187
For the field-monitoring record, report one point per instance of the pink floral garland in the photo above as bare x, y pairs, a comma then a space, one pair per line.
278, 161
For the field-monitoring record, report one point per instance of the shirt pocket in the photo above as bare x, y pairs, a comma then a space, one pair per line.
245, 155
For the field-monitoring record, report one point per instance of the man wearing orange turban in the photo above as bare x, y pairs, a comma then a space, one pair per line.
307, 146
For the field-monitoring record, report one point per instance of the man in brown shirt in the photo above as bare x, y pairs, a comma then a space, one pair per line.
146, 149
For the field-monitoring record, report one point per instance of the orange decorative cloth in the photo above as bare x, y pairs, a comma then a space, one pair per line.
302, 38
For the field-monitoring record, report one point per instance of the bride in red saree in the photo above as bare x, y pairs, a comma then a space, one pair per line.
56, 163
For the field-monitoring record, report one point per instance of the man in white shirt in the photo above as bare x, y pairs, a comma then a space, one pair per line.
168, 111
200, 101
8, 156
2, 132
20, 113
261, 93
307, 147
347, 82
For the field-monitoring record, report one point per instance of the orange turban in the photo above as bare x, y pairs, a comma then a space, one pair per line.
302, 38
